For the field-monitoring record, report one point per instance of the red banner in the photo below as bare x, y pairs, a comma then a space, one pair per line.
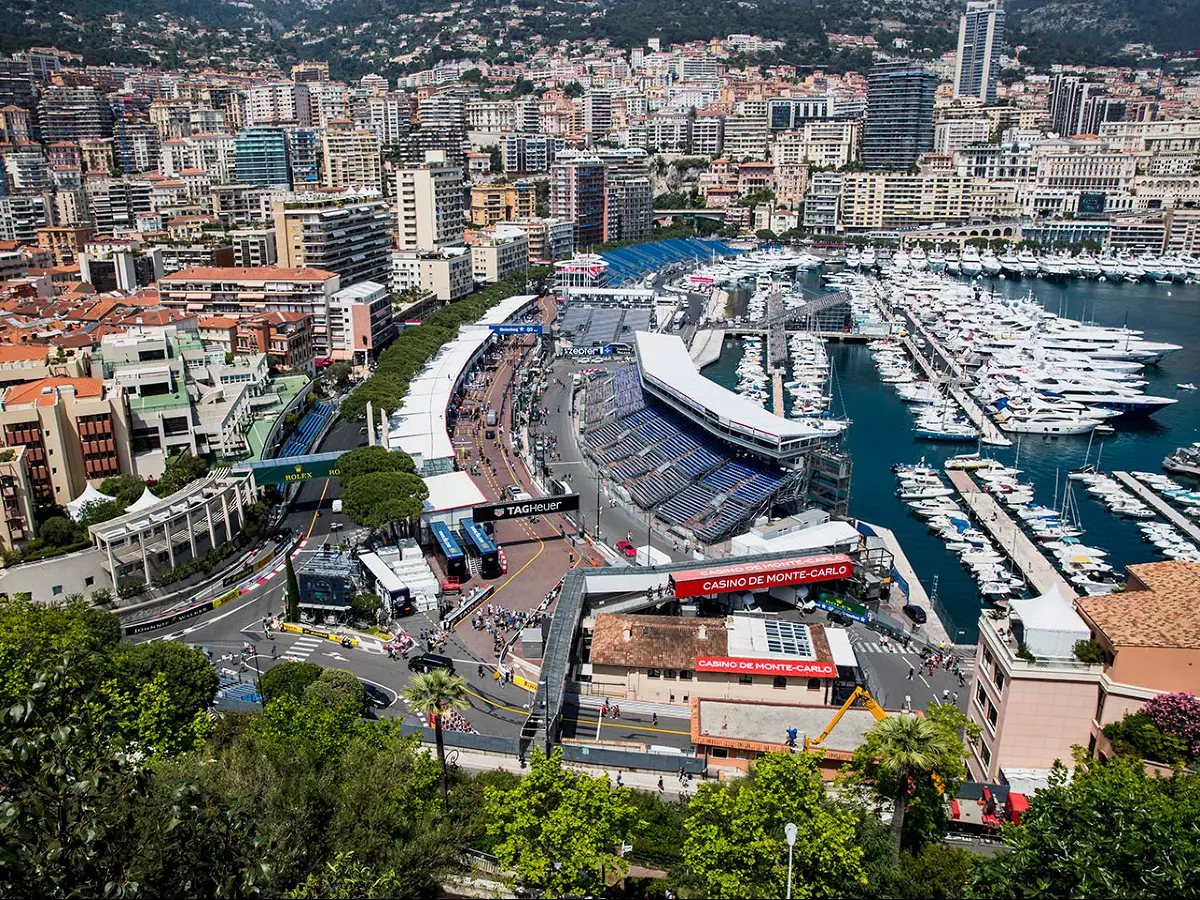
739, 666
760, 576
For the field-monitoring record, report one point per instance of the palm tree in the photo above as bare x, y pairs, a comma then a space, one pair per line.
908, 746
435, 694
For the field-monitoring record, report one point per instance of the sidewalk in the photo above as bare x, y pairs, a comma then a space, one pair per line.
474, 761
673, 710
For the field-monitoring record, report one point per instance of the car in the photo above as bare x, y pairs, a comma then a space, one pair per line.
838, 618
627, 548
427, 662
916, 613
376, 697
514, 490
490, 434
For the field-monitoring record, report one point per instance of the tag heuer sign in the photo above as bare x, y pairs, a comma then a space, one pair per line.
519, 509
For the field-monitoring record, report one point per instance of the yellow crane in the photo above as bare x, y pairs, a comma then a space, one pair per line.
860, 693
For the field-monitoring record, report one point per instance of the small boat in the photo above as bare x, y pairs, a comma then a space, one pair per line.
1186, 386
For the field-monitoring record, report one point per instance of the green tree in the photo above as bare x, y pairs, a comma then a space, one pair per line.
58, 532
1105, 830
35, 635
189, 679
379, 499
365, 460
911, 759
82, 815
293, 592
339, 372
766, 234
347, 878
735, 833
288, 679
432, 695
182, 469
365, 607
123, 488
574, 89
561, 831
936, 873
339, 688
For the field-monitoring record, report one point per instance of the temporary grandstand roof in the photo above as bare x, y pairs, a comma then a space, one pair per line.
453, 490
664, 359
419, 426
829, 535
89, 495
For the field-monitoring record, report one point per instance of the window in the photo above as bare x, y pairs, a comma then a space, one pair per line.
814, 684
981, 696
985, 754
745, 679
89, 580
988, 661
993, 716
669, 673
719, 753
653, 673
780, 681
1100, 705
685, 674
56, 590
999, 681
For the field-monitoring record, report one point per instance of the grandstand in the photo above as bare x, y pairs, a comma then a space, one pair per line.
630, 263
310, 426
669, 464
586, 326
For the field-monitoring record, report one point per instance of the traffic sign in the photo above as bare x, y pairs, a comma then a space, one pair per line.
520, 509
516, 329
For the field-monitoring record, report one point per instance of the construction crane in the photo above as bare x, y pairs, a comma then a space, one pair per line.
860, 693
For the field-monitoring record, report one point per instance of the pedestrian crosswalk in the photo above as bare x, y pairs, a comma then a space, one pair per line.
303, 648
876, 647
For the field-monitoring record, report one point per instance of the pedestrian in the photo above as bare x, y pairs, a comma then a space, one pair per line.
480, 670
616, 711
274, 652
604, 709
945, 695
956, 698
619, 781
660, 784
911, 672
654, 719
907, 702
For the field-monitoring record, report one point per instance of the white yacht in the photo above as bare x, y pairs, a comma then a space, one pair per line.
970, 262
918, 259
1010, 265
990, 263
1029, 263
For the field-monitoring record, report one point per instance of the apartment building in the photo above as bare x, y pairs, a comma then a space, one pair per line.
823, 202
429, 203
871, 201
352, 159
549, 239
73, 431
1032, 712
828, 143
66, 242
261, 157
242, 292
501, 251
745, 137
285, 337
360, 322
447, 272
17, 498
344, 232
899, 124
492, 203
523, 153
950, 135
253, 247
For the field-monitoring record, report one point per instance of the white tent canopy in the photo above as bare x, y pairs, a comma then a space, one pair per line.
1052, 626
144, 502
89, 495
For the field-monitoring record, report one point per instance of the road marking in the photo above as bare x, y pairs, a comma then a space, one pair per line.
317, 511
627, 722
205, 624
520, 712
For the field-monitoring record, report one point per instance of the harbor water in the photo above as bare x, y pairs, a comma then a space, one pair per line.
880, 433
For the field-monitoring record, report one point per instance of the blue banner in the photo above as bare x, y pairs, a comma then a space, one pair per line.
516, 329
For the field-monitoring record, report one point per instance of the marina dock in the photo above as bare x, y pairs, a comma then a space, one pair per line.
1160, 506
777, 392
1011, 540
935, 629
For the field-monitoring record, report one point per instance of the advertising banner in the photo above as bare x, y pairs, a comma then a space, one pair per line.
800, 668
761, 576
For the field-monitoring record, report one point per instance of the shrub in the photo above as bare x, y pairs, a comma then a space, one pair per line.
1089, 652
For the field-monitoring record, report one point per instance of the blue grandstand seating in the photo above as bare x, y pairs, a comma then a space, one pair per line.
302, 438
655, 488
690, 502
629, 263
232, 689
728, 476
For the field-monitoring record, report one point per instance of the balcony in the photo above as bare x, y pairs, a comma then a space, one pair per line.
1009, 642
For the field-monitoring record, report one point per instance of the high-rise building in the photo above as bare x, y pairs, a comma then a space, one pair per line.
73, 114
279, 102
529, 152
347, 234
429, 204
116, 204
577, 193
628, 203
786, 113
261, 157
899, 126
1081, 107
352, 159
597, 113
980, 42
304, 148
137, 145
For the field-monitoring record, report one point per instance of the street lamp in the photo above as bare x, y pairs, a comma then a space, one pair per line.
789, 832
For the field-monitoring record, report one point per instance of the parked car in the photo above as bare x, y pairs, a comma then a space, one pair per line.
916, 613
427, 662
627, 548
376, 697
